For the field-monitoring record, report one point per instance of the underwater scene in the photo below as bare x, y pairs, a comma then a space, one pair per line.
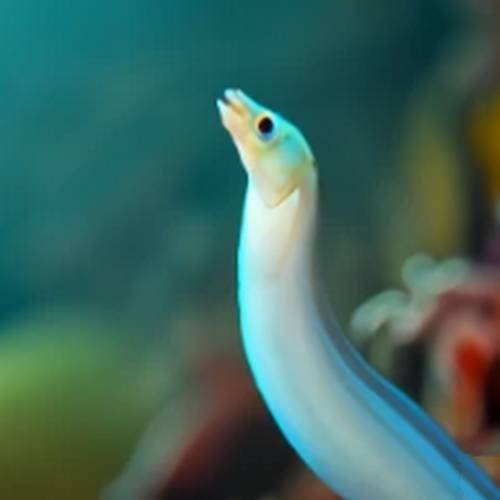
250, 251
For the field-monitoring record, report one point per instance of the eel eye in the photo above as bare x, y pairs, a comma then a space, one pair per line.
265, 126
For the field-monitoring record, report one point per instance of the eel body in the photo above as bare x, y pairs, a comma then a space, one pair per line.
357, 432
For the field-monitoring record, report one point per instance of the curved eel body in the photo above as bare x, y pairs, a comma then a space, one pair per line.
357, 432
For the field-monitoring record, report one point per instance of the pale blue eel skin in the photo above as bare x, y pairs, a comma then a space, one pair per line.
357, 432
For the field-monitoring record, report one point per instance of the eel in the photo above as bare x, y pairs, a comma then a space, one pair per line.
363, 437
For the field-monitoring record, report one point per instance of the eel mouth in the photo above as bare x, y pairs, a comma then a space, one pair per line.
232, 100
236, 110
233, 112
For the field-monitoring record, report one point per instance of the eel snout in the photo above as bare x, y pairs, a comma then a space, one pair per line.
237, 111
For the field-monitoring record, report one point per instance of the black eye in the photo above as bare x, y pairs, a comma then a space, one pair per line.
265, 126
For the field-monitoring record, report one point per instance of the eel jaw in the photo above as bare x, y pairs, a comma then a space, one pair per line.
237, 111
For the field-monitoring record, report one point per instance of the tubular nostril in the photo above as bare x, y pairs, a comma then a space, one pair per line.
229, 95
232, 99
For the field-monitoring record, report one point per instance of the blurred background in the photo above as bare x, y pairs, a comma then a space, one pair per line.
121, 373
